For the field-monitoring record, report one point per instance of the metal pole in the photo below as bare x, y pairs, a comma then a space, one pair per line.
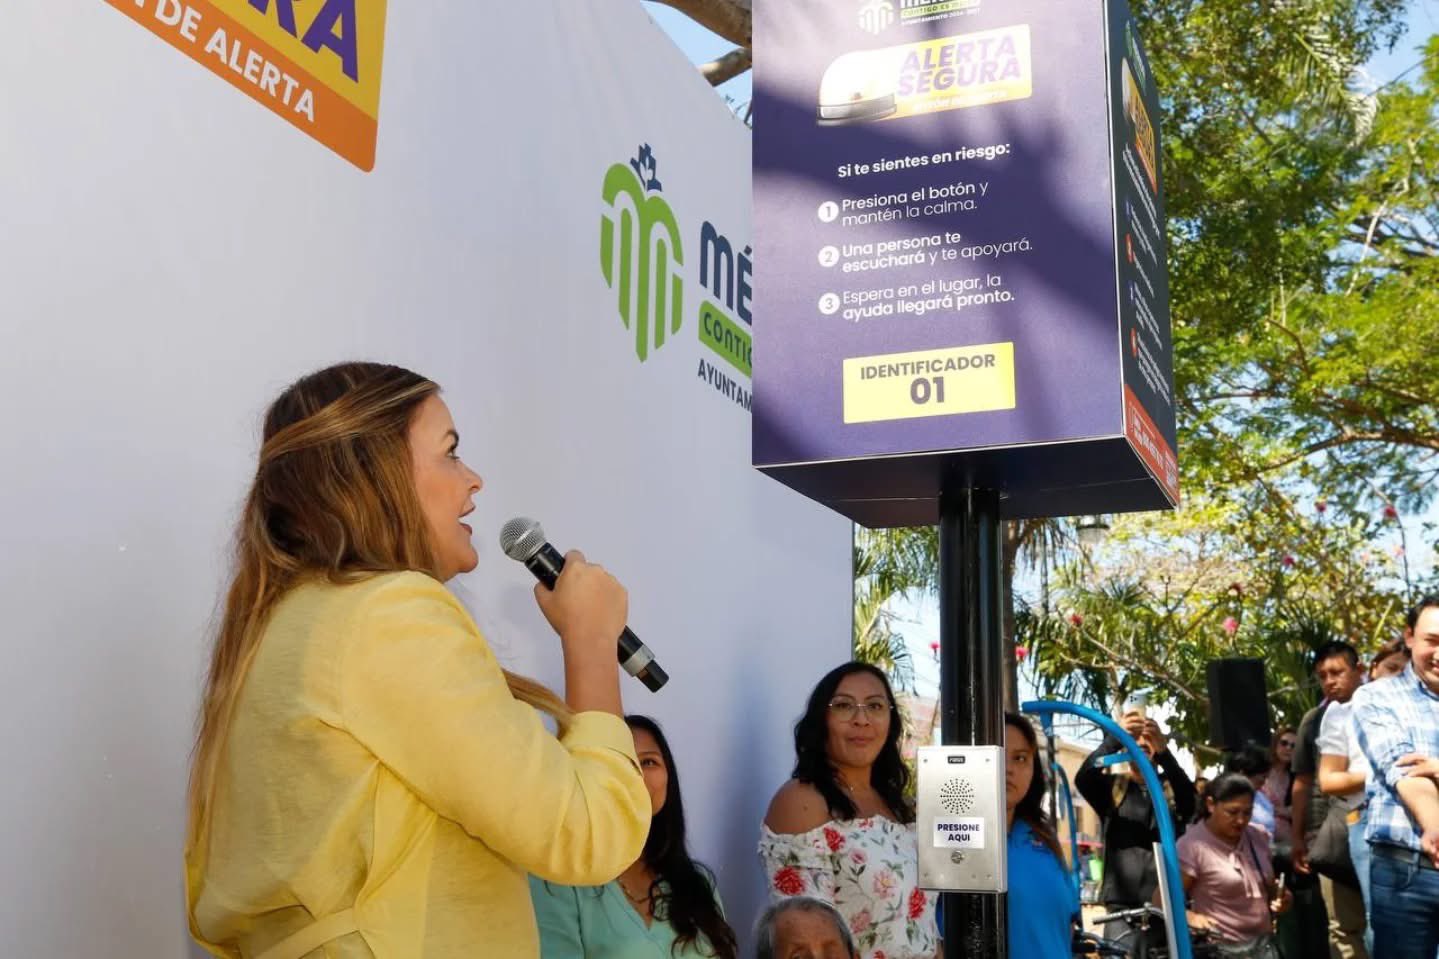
1051, 764
971, 679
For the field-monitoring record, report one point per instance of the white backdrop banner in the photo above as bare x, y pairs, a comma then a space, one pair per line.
555, 227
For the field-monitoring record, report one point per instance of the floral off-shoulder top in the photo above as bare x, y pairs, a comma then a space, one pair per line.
868, 869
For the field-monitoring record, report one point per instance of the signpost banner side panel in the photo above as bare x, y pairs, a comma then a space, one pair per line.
936, 255
1146, 343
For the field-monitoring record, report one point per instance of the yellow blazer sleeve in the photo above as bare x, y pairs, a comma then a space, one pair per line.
420, 689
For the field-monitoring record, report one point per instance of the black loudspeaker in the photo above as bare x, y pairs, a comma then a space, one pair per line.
1238, 703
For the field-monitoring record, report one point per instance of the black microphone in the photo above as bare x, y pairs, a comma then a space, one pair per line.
524, 540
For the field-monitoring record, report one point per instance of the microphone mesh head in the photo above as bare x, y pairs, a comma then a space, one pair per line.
521, 538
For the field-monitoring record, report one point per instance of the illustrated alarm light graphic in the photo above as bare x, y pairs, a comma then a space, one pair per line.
859, 86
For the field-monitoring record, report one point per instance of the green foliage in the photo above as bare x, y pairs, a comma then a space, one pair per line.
879, 643
1169, 592
1304, 275
1304, 261
888, 564
1303, 247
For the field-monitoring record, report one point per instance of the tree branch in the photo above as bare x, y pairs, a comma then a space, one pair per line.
1299, 349
1391, 246
1134, 664
1398, 394
1258, 470
1254, 394
731, 19
727, 67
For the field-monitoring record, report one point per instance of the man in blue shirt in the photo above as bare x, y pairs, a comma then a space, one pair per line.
1397, 721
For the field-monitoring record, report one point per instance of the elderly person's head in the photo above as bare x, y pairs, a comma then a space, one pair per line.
803, 928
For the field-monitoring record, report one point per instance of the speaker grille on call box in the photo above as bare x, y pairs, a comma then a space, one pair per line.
956, 796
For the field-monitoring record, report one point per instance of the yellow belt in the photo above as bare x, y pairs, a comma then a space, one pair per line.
1352, 816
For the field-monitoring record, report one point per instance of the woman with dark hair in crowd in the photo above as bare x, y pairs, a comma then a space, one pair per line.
1200, 784
1228, 875
1042, 902
1391, 660
1279, 783
842, 830
664, 905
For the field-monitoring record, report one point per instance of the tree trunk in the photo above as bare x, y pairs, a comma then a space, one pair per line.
731, 19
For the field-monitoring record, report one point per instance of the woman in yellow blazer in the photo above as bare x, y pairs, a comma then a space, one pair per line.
367, 781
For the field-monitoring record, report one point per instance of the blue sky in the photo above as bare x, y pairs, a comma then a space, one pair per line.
1423, 21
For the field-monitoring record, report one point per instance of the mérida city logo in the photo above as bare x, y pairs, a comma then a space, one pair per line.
642, 259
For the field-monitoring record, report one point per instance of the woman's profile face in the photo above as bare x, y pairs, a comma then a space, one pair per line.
653, 768
1019, 766
444, 485
858, 720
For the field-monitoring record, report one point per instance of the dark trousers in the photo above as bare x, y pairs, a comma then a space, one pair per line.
1304, 929
1405, 911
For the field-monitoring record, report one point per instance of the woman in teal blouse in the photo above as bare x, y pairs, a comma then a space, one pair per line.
663, 907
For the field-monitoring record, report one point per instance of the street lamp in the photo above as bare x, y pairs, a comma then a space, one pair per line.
1091, 530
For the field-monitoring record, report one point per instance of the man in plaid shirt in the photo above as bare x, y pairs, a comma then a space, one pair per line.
1397, 721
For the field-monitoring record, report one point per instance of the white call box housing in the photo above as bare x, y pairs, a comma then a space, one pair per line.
962, 830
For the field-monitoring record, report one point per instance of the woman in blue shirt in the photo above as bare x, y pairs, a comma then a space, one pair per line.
1043, 904
664, 906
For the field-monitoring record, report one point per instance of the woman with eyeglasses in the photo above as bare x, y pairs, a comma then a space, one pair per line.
1228, 876
1278, 785
841, 830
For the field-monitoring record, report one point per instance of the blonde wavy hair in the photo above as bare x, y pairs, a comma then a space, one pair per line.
333, 496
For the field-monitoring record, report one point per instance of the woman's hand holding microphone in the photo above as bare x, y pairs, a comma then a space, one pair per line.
587, 608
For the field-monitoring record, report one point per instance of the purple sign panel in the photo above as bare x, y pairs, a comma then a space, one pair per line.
960, 257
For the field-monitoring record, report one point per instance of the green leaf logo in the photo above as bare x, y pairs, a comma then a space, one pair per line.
640, 252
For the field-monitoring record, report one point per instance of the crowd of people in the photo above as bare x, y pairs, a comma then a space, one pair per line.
1326, 844
368, 781
838, 842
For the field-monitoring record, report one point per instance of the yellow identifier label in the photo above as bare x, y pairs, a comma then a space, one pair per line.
964, 379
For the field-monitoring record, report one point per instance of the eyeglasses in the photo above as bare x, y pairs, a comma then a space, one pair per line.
848, 709
1287, 742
